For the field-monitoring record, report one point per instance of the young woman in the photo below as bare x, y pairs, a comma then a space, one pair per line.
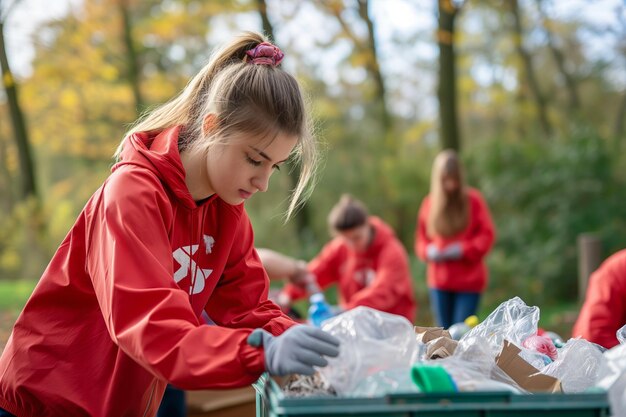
117, 313
454, 234
365, 259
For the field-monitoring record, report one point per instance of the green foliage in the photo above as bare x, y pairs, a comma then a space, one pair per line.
22, 241
13, 294
543, 196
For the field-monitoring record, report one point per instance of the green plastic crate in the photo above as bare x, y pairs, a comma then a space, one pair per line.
270, 402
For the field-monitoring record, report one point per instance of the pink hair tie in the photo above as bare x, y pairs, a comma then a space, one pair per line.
265, 54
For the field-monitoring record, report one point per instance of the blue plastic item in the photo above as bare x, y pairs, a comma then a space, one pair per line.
319, 310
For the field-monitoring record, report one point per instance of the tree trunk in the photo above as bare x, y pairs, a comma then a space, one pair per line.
27, 167
133, 70
446, 90
268, 29
369, 49
6, 190
559, 58
374, 68
303, 216
526, 58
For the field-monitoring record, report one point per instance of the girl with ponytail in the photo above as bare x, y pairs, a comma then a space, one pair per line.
162, 244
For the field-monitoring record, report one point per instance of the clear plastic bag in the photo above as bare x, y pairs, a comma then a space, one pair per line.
371, 341
612, 378
512, 320
474, 369
577, 365
621, 335
386, 382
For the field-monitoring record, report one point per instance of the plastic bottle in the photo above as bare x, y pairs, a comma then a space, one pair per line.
458, 330
319, 309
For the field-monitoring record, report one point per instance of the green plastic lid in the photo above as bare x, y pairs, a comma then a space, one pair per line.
431, 378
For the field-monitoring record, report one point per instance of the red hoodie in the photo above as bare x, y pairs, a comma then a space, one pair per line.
468, 274
604, 310
377, 278
117, 313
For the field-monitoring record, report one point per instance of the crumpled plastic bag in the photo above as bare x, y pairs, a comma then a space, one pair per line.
621, 335
371, 341
612, 378
512, 320
474, 369
386, 382
577, 365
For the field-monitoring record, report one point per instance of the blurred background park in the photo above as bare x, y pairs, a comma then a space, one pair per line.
531, 92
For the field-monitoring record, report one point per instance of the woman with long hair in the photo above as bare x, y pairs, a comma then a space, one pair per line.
454, 234
118, 312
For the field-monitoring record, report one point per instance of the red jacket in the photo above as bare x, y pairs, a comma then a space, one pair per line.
604, 310
377, 278
117, 313
468, 274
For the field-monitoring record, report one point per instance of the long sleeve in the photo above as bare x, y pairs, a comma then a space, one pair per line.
325, 267
392, 278
240, 298
478, 242
604, 310
146, 314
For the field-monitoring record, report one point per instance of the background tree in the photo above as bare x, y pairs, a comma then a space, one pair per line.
559, 58
20, 132
446, 90
528, 68
357, 61
132, 60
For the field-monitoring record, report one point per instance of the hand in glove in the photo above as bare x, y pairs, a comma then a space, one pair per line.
433, 253
452, 252
296, 351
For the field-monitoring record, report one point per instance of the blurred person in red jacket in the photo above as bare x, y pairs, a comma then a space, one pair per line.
117, 313
604, 310
454, 234
365, 259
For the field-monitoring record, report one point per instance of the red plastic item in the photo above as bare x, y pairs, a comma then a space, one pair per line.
541, 344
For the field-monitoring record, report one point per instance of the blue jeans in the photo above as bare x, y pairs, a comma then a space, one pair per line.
4, 413
451, 307
173, 403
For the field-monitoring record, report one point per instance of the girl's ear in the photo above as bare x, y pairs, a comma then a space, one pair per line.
209, 123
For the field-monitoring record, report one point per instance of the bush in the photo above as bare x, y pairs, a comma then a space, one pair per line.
543, 196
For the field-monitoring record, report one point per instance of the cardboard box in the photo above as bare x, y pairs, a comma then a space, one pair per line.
426, 334
527, 376
440, 348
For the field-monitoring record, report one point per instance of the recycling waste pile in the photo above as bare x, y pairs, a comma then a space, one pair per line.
499, 367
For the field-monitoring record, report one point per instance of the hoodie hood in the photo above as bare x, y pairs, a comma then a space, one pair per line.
158, 152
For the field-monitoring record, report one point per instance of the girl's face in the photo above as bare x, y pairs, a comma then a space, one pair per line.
450, 184
357, 238
237, 170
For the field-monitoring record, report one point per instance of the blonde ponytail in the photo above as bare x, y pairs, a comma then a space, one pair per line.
251, 98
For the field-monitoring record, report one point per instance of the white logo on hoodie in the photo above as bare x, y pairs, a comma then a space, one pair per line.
187, 264
208, 243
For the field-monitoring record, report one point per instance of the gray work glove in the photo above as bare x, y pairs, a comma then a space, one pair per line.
433, 253
452, 252
296, 351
